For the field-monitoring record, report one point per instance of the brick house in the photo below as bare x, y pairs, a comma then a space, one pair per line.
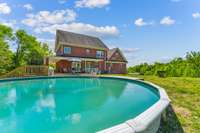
85, 54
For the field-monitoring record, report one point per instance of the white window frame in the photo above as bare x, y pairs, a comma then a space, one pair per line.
68, 51
99, 54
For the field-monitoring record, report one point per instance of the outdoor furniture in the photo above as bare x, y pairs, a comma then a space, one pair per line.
51, 71
73, 70
65, 70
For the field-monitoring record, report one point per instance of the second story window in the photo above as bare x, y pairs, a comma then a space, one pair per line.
100, 54
67, 50
87, 51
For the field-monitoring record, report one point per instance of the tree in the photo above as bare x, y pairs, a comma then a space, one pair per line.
178, 67
193, 59
21, 41
29, 50
6, 54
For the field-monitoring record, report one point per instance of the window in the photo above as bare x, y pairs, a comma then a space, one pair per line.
67, 50
99, 54
87, 51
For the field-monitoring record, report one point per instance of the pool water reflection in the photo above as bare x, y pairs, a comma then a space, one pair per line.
80, 105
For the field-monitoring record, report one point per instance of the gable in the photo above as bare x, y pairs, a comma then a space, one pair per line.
117, 56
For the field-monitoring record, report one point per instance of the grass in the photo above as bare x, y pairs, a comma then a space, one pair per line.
184, 113
185, 96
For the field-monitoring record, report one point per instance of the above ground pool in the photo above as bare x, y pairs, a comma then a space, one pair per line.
72, 104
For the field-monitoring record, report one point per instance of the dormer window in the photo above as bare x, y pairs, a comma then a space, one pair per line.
67, 50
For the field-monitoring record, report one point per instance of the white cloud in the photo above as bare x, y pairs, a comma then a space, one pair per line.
28, 7
196, 15
50, 42
9, 23
130, 50
101, 31
30, 21
62, 1
44, 18
4, 8
92, 3
140, 22
167, 21
71, 15
49, 22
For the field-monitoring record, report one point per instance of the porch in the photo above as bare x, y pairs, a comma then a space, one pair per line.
76, 65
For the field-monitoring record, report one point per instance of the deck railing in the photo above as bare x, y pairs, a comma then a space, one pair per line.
26, 71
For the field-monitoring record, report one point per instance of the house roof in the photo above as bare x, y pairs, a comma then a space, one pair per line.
112, 51
79, 40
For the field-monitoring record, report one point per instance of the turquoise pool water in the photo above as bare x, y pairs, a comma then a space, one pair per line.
71, 105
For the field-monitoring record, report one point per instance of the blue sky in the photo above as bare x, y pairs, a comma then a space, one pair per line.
146, 30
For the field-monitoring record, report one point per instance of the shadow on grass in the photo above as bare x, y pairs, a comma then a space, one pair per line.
170, 123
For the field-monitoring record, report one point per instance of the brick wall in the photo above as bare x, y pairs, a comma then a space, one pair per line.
80, 52
116, 68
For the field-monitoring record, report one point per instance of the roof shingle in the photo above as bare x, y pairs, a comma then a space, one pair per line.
79, 40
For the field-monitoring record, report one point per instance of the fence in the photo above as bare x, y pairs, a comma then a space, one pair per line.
26, 71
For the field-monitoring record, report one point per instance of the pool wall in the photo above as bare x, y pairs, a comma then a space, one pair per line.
146, 122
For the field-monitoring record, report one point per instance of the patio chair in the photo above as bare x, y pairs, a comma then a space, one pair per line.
65, 70
73, 71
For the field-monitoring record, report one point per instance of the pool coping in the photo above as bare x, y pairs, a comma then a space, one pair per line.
135, 125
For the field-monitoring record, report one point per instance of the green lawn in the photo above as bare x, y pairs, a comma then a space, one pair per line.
184, 113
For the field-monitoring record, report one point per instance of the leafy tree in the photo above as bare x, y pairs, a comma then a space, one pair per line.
178, 67
29, 50
193, 59
6, 54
